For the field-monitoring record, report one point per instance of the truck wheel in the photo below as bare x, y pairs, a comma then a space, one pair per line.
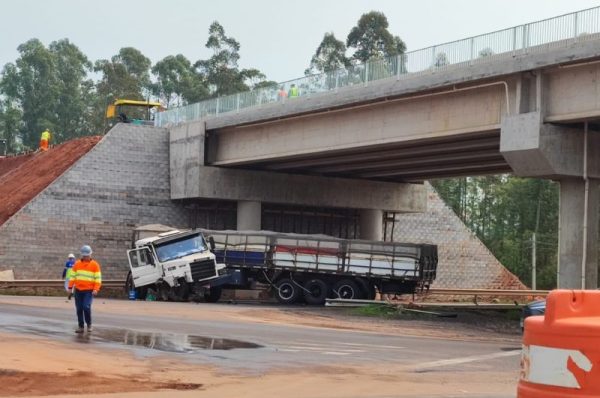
287, 292
181, 292
213, 295
347, 289
164, 291
316, 292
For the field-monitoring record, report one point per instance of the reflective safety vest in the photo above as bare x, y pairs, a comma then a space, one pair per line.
69, 273
46, 135
86, 275
294, 92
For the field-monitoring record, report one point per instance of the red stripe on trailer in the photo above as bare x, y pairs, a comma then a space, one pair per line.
305, 250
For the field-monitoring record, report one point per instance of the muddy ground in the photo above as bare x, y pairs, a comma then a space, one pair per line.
37, 366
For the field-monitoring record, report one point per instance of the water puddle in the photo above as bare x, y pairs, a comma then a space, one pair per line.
167, 342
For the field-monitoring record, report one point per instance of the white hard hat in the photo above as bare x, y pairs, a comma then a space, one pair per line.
71, 255
85, 250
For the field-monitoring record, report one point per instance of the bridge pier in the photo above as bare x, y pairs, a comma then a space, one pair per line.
248, 215
578, 234
570, 156
371, 224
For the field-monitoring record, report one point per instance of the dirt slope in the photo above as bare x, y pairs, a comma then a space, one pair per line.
23, 177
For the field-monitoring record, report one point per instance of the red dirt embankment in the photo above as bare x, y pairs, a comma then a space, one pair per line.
23, 177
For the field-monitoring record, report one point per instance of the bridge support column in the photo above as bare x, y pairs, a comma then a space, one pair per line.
248, 215
578, 234
571, 156
371, 224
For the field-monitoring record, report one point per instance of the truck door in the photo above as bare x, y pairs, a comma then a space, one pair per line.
144, 271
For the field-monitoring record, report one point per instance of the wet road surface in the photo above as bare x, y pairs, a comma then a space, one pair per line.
257, 347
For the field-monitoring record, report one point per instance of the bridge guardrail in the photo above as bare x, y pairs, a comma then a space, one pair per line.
536, 36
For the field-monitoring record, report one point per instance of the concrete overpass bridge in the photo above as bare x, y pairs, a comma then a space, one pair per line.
525, 100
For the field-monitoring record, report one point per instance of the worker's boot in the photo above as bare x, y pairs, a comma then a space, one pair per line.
79, 330
90, 328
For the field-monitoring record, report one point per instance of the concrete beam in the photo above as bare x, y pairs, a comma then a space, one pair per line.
191, 179
535, 149
388, 123
234, 184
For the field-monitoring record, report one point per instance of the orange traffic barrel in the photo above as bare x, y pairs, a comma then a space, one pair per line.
561, 349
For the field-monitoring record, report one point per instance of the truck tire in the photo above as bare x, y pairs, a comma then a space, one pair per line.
316, 291
286, 291
181, 292
213, 295
347, 289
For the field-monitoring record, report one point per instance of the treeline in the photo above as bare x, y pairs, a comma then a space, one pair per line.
52, 87
504, 212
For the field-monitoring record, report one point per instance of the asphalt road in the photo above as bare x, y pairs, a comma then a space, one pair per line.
258, 347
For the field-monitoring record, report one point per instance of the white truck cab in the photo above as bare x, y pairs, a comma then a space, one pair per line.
176, 265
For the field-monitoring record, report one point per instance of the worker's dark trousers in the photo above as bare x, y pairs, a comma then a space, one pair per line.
83, 305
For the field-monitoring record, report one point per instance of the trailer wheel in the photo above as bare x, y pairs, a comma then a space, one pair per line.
213, 295
347, 289
316, 291
287, 292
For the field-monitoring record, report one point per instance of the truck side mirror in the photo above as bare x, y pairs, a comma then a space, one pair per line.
211, 242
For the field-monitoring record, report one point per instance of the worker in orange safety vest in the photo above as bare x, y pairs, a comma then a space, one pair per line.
86, 278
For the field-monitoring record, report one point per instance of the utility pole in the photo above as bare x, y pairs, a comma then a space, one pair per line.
534, 246
533, 262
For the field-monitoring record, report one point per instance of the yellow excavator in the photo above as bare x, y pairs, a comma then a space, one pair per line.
131, 111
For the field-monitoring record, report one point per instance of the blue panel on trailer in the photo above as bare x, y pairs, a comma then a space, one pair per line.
240, 257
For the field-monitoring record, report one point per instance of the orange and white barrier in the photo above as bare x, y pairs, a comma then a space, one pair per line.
561, 350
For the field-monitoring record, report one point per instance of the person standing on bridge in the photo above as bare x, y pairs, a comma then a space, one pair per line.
293, 91
86, 279
45, 140
281, 94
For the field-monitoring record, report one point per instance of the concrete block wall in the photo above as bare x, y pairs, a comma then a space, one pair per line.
463, 260
121, 183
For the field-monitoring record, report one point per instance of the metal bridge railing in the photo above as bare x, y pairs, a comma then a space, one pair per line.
536, 36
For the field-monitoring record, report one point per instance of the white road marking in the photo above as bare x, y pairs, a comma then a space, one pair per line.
457, 361
334, 353
393, 347
322, 348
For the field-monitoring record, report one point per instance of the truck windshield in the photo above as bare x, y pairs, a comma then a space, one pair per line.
179, 248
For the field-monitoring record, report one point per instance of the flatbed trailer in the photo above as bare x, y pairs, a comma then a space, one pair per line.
316, 267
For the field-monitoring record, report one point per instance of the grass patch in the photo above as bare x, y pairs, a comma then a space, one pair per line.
374, 310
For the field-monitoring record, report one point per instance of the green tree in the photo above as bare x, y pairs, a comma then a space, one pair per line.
10, 123
31, 83
221, 71
370, 38
125, 75
503, 212
329, 56
176, 80
72, 90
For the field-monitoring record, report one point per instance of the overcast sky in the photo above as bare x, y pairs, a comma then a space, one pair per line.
278, 37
